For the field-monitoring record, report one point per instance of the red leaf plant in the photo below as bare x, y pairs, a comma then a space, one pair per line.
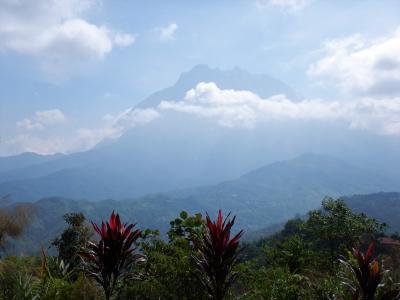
367, 272
216, 255
111, 258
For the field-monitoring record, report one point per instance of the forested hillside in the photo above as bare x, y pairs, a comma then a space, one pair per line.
309, 258
47, 218
384, 207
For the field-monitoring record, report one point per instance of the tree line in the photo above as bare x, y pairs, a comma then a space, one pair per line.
333, 253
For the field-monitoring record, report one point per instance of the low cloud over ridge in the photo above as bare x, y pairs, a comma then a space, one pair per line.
228, 108
82, 139
233, 108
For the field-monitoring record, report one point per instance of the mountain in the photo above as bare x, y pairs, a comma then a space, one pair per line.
266, 196
24, 160
286, 188
161, 156
263, 85
181, 150
385, 207
47, 222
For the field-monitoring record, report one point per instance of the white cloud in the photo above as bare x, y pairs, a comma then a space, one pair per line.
167, 33
55, 32
229, 108
28, 143
76, 37
52, 116
115, 127
119, 124
123, 39
133, 117
232, 108
362, 66
290, 5
82, 139
42, 119
28, 124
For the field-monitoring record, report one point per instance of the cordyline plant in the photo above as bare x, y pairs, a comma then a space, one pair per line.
216, 255
368, 274
109, 260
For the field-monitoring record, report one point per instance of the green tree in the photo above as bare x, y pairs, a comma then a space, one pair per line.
168, 272
293, 253
73, 238
335, 228
186, 227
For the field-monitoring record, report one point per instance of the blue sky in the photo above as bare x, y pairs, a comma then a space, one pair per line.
69, 65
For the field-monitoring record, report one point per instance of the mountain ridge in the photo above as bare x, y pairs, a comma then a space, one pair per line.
261, 84
151, 158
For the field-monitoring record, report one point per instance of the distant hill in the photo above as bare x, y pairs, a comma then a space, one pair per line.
23, 160
263, 197
180, 150
47, 222
385, 207
286, 188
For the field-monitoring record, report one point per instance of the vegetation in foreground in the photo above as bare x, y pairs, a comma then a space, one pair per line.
334, 253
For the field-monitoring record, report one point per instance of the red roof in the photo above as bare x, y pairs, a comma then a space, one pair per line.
389, 241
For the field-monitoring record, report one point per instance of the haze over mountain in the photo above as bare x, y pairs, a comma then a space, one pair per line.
237, 79
24, 160
130, 129
383, 207
286, 188
263, 197
178, 150
160, 156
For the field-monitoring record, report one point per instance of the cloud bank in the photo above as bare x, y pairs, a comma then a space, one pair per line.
362, 66
55, 32
228, 108
245, 109
30, 140
42, 119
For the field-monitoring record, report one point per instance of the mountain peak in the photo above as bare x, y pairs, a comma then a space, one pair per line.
200, 68
237, 79
204, 70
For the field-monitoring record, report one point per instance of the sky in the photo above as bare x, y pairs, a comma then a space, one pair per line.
71, 71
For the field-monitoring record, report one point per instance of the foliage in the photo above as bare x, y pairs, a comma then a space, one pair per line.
16, 278
334, 228
186, 227
72, 239
14, 220
368, 275
327, 287
292, 253
217, 255
111, 258
272, 283
46, 278
168, 273
198, 259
